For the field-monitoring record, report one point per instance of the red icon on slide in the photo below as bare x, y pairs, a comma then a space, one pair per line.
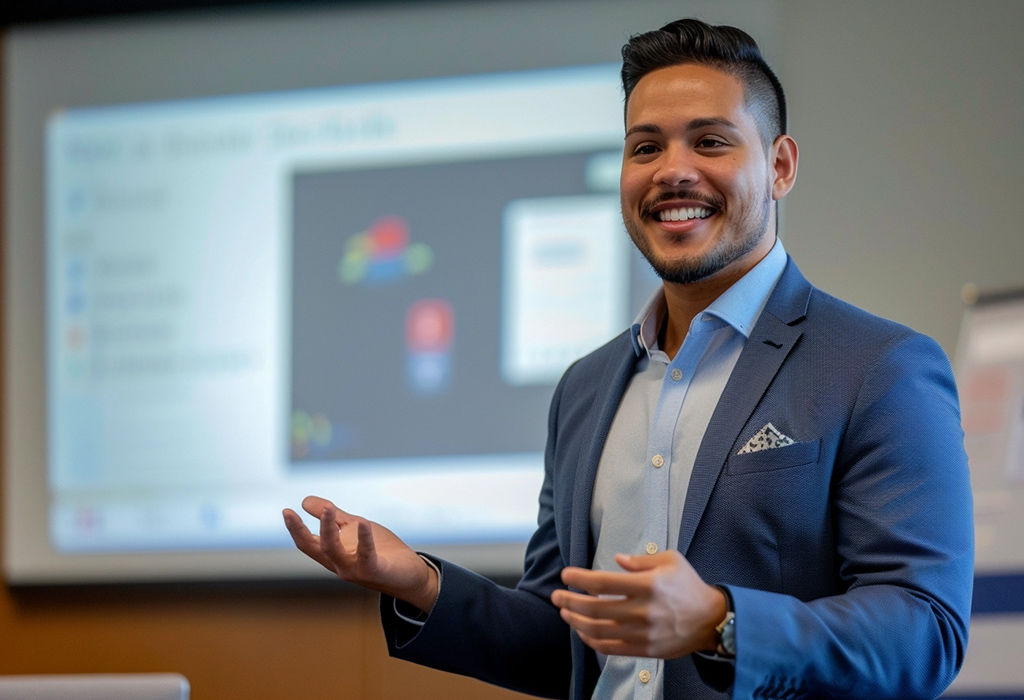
429, 337
429, 326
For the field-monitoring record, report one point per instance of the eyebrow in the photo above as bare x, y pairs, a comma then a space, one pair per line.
698, 123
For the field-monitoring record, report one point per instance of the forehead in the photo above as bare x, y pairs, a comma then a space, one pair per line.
686, 92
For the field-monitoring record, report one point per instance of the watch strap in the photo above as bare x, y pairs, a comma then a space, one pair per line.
726, 629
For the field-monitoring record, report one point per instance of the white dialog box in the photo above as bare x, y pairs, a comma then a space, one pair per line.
565, 283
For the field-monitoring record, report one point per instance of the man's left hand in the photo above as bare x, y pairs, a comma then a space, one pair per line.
658, 607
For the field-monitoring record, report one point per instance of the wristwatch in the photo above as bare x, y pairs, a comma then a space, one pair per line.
726, 630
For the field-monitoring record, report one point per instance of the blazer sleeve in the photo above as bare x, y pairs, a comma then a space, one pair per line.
902, 511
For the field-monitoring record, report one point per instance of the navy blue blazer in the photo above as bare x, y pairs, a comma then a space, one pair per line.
848, 555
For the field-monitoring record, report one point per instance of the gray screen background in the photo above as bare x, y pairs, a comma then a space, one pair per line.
348, 349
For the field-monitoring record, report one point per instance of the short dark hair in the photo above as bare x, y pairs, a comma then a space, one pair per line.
724, 48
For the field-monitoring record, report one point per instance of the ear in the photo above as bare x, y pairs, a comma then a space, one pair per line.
783, 157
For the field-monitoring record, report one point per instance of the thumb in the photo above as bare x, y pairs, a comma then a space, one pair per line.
642, 562
315, 506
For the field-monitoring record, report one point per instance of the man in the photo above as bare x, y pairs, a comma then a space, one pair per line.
756, 491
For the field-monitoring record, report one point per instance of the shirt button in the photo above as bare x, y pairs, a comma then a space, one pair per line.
677, 374
652, 548
658, 460
645, 676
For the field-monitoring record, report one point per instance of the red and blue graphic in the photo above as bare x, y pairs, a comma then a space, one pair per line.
383, 254
429, 337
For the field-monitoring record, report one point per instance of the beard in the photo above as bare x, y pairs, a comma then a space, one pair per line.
750, 229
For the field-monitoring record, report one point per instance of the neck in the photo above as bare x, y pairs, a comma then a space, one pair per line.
685, 301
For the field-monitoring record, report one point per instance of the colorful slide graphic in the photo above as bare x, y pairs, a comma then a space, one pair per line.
429, 335
401, 300
382, 254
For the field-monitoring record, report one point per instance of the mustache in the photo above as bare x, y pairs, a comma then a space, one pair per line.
647, 209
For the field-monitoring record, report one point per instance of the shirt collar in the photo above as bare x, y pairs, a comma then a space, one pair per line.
739, 306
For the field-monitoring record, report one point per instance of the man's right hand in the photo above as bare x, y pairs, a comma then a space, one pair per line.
363, 552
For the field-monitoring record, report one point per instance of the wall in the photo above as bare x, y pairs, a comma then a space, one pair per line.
230, 642
908, 116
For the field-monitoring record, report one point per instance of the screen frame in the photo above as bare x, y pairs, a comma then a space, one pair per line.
280, 50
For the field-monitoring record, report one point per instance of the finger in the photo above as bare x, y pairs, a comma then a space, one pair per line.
305, 541
366, 551
291, 519
617, 608
615, 647
330, 538
607, 582
296, 528
647, 562
598, 629
315, 506
606, 630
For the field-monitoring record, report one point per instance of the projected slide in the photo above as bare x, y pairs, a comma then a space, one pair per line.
367, 293
397, 305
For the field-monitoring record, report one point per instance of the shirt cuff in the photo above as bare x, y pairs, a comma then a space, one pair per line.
412, 614
710, 656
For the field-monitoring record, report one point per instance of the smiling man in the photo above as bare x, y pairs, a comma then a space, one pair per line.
757, 491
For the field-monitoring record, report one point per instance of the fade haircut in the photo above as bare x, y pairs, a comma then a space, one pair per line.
724, 48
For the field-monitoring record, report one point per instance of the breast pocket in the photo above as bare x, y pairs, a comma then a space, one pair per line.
794, 455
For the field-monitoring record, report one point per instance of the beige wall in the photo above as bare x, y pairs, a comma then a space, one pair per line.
908, 115
909, 118
231, 642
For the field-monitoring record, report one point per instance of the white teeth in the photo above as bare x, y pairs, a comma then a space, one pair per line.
684, 214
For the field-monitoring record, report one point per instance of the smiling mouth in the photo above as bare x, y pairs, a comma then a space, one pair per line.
684, 213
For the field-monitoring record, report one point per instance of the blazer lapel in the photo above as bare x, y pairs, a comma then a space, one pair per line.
771, 341
616, 376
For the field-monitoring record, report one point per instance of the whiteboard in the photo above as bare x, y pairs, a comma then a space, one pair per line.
990, 372
989, 365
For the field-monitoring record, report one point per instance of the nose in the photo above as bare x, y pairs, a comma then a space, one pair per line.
676, 167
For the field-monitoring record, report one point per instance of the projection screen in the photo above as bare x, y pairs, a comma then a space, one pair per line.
252, 256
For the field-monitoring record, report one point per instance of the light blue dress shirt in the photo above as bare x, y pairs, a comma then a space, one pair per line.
645, 467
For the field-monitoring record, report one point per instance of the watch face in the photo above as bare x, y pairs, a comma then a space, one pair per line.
729, 637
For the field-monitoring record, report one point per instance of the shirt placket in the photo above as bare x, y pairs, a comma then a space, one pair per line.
658, 468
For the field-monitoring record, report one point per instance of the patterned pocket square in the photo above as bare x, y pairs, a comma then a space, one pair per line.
767, 438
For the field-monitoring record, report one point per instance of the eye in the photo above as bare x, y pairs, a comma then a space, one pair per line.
645, 149
710, 142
